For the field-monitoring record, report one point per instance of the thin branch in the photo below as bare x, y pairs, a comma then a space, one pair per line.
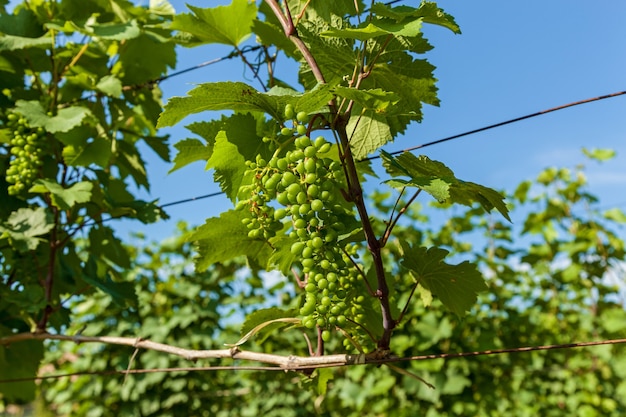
392, 224
282, 363
408, 302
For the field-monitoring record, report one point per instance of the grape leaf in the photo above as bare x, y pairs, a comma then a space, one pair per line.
24, 225
377, 100
20, 360
282, 258
114, 31
190, 150
12, 43
429, 12
222, 238
229, 165
264, 315
455, 285
368, 132
381, 27
438, 180
323, 376
64, 121
95, 273
110, 85
228, 25
64, 198
240, 97
97, 151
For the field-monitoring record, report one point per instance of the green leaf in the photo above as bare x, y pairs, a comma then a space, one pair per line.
223, 238
240, 97
455, 285
24, 225
190, 150
161, 7
263, 316
12, 43
20, 360
122, 293
380, 27
282, 258
110, 85
367, 132
323, 376
615, 215
115, 31
64, 121
64, 198
228, 25
377, 100
600, 155
428, 12
438, 180
229, 165
97, 151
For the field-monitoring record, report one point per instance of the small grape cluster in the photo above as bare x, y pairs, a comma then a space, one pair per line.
28, 146
297, 190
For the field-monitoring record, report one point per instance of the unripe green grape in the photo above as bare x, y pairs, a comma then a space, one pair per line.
324, 148
280, 214
283, 198
301, 197
326, 335
297, 247
302, 117
286, 131
310, 178
301, 129
317, 205
310, 151
282, 164
317, 242
296, 155
313, 190
289, 112
310, 165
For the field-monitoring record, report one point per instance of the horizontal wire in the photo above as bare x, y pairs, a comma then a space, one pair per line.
449, 138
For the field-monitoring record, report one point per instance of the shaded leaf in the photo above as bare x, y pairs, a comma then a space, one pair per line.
455, 285
438, 180
263, 316
20, 360
190, 150
64, 121
24, 225
64, 198
222, 238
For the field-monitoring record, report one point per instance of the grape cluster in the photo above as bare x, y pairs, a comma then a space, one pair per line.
297, 190
28, 146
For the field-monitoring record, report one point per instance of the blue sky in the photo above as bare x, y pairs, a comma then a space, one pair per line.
513, 58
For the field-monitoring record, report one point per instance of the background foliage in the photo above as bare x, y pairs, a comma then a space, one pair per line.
81, 92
